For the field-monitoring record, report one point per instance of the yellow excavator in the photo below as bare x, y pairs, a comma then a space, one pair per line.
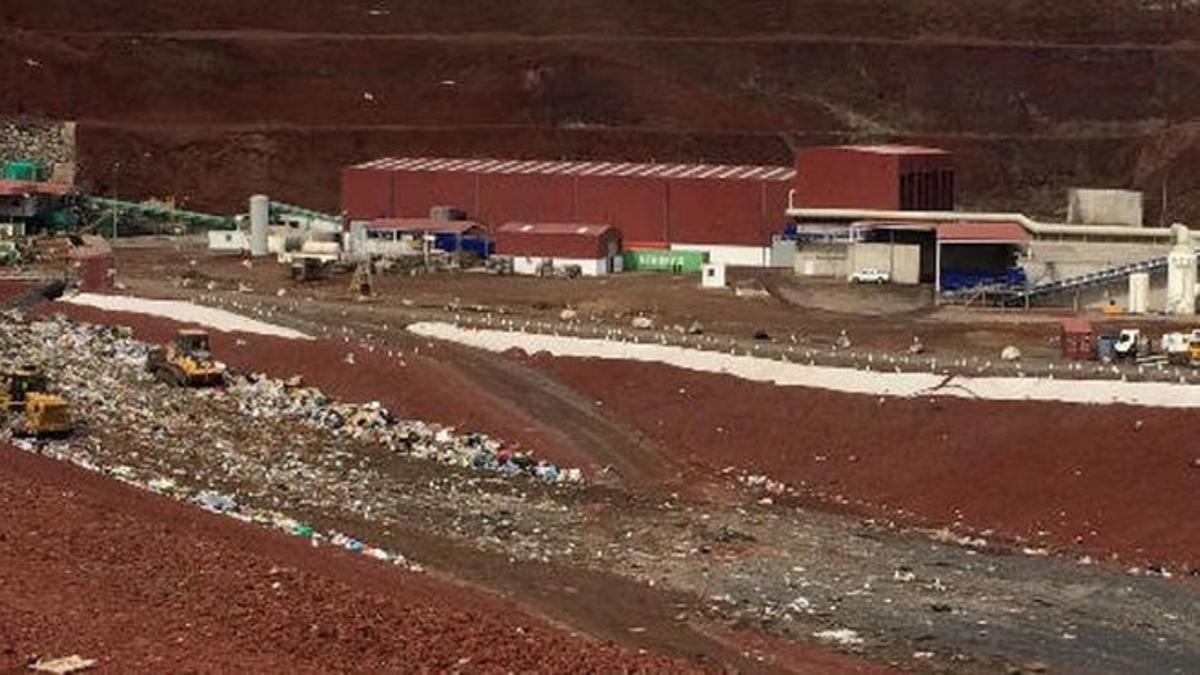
41, 413
186, 361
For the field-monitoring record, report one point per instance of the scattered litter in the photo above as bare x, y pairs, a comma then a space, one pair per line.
841, 636
1010, 353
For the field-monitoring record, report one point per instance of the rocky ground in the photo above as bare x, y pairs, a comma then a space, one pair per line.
47, 142
675, 566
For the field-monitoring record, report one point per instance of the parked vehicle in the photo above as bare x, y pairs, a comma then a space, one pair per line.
1182, 348
870, 275
1128, 344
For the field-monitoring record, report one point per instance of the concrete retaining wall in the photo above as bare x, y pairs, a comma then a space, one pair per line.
822, 260
901, 261
1104, 207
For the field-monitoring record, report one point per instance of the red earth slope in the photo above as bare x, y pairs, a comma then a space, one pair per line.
212, 105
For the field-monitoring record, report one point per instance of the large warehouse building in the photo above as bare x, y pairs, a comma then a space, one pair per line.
888, 177
730, 212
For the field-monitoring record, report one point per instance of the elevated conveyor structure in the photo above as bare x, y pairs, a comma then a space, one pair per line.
158, 212
277, 209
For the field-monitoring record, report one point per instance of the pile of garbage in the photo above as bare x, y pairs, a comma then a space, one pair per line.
259, 396
256, 449
217, 502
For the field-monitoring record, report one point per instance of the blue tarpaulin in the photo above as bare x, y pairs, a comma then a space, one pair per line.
955, 281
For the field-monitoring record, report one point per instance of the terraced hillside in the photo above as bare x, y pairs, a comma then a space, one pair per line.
211, 104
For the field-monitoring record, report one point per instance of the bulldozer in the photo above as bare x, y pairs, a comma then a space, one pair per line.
40, 413
186, 361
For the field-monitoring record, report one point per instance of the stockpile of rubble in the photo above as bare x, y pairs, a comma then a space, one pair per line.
26, 139
259, 396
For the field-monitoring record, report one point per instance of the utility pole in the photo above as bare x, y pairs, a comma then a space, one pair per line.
116, 168
1162, 214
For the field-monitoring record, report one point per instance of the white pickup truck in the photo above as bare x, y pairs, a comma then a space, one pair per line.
870, 275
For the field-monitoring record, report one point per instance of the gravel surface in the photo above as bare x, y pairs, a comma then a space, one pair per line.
185, 312
883, 378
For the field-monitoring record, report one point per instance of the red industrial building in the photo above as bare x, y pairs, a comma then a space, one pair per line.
594, 249
883, 177
692, 204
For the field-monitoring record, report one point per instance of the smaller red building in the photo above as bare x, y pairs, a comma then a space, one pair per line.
594, 249
884, 177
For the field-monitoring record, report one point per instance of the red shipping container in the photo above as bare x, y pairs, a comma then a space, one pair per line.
1077, 338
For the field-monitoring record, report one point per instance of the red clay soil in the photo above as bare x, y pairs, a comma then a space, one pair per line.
1107, 479
1083, 21
417, 386
145, 584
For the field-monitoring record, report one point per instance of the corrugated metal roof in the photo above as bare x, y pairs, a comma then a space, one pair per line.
894, 149
615, 169
967, 232
21, 187
424, 225
576, 229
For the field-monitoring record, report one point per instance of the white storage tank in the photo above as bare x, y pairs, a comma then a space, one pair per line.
1181, 273
259, 218
1139, 292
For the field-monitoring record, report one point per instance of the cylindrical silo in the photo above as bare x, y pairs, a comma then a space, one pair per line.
1139, 292
259, 215
1181, 273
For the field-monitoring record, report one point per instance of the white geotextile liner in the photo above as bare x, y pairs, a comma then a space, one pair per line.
183, 312
847, 380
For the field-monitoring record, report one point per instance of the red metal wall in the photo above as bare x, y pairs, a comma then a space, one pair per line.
533, 198
927, 182
415, 192
636, 206
846, 177
648, 209
717, 212
367, 193
841, 178
775, 206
